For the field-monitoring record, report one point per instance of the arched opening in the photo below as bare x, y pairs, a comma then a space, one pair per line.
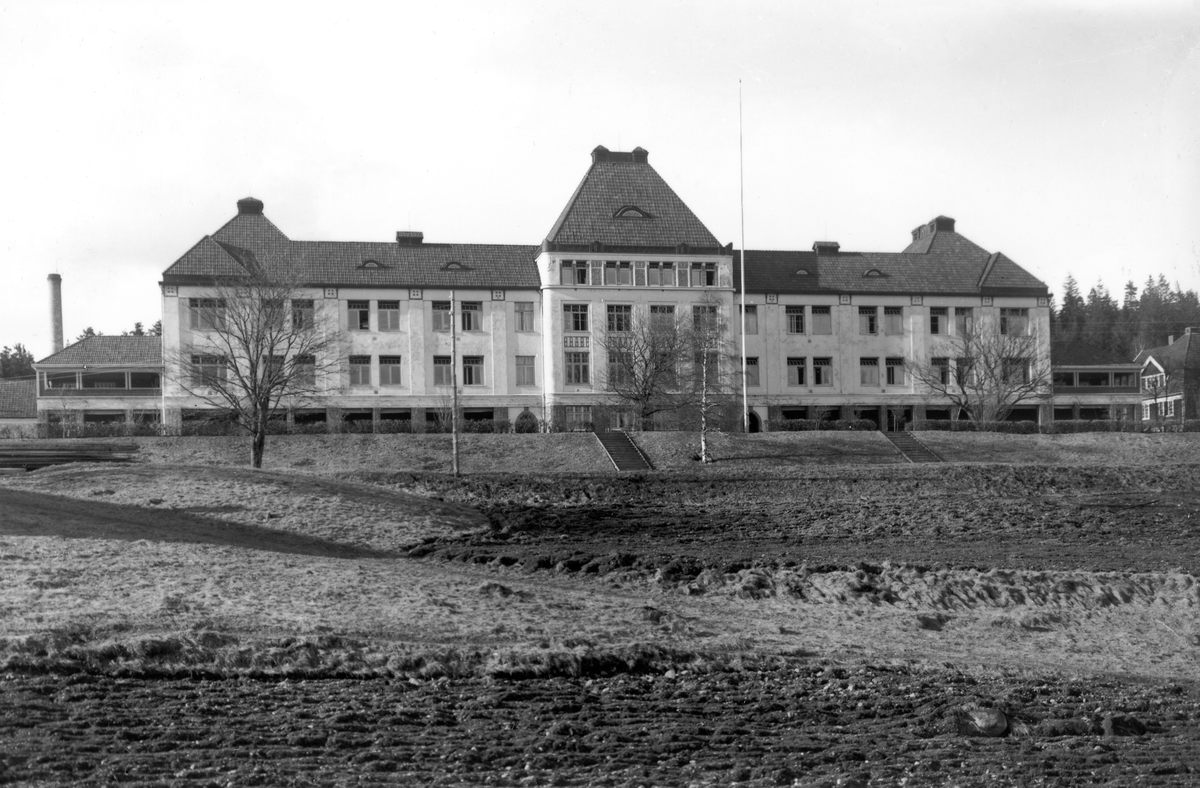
753, 424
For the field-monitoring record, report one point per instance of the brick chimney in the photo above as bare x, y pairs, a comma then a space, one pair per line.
56, 320
826, 247
410, 237
249, 206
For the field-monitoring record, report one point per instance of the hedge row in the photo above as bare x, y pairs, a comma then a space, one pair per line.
812, 425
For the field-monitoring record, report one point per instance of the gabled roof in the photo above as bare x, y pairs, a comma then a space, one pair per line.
939, 261
623, 202
249, 242
1084, 354
1183, 353
18, 399
108, 351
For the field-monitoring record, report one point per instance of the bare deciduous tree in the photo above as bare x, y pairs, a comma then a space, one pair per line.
984, 371
660, 361
258, 346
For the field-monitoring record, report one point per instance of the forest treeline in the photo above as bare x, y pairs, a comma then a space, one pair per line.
1143, 319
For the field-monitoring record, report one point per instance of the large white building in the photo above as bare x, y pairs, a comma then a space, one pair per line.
828, 331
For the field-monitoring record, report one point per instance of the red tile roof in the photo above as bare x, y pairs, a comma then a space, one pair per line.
18, 398
108, 351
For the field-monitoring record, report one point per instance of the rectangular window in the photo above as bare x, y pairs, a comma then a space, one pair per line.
893, 320
795, 370
389, 371
525, 371
704, 275
524, 313
661, 275
443, 371
575, 317
619, 368
610, 273
895, 371
1014, 322
697, 275
272, 311
576, 368
620, 317
703, 315
305, 377
303, 314
662, 316
1170, 405
937, 320
1015, 370
751, 371
206, 314
472, 315
359, 313
574, 272
273, 370
389, 315
822, 321
206, 371
578, 417
795, 319
618, 273
750, 313
1123, 380
441, 316
360, 370
472, 370
822, 372
868, 371
868, 320
964, 320
963, 374
941, 369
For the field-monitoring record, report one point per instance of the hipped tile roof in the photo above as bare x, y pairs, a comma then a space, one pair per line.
1181, 355
18, 399
250, 241
616, 181
108, 351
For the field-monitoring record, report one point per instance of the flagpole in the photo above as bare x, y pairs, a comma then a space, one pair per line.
742, 208
453, 386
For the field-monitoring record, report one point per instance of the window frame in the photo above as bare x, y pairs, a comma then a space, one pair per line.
825, 312
443, 371
472, 371
893, 328
206, 314
577, 367
523, 316
363, 317
868, 371
799, 364
575, 317
794, 314
750, 318
304, 314
471, 315
388, 315
894, 371
360, 371
443, 315
390, 366
525, 364
199, 363
753, 379
938, 317
822, 371
869, 326
619, 318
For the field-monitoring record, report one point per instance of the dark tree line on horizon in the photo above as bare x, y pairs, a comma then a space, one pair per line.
1141, 320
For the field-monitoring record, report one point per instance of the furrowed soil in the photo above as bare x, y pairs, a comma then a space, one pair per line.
869, 624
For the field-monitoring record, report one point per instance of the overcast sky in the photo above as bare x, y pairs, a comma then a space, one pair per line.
1066, 135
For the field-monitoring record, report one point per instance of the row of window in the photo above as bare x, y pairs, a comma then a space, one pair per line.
818, 320
1151, 410
637, 274
208, 370
471, 315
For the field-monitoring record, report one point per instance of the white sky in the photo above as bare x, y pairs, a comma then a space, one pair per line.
1066, 135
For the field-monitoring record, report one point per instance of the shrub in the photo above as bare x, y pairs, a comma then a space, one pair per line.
810, 425
526, 423
394, 426
1072, 426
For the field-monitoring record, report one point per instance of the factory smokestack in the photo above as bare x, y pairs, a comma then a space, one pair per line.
56, 327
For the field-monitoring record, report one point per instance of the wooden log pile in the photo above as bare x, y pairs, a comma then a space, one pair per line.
33, 454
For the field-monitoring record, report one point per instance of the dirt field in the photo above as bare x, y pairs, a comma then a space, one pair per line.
823, 625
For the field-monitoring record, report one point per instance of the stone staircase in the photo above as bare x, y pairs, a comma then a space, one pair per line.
623, 452
912, 449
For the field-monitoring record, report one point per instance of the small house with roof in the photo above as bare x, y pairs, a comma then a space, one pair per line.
100, 380
18, 408
1170, 379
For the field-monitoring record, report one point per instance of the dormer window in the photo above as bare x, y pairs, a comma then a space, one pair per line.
802, 272
631, 212
454, 265
374, 264
873, 272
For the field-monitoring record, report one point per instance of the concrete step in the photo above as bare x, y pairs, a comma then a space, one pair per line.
623, 452
912, 448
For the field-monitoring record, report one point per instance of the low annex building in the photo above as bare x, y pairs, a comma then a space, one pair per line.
827, 330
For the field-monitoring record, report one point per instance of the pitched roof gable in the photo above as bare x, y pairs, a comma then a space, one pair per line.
207, 258
1183, 353
600, 209
108, 351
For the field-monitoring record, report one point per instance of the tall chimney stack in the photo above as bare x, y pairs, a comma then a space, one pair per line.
56, 311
